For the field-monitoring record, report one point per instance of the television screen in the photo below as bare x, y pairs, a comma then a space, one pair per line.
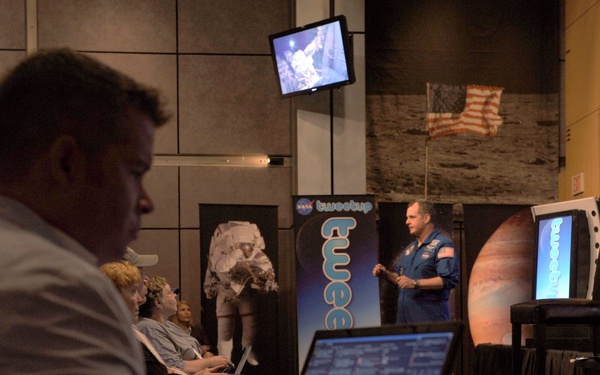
562, 255
315, 57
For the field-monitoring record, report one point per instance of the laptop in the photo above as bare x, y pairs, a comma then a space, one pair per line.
243, 359
424, 349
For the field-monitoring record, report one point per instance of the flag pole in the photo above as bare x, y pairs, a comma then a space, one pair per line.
426, 143
426, 164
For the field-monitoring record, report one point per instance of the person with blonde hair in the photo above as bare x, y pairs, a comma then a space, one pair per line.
183, 318
176, 347
128, 280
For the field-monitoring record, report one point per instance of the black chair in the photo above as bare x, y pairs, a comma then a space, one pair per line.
551, 312
588, 365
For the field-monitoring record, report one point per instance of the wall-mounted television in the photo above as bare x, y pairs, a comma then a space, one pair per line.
314, 57
562, 257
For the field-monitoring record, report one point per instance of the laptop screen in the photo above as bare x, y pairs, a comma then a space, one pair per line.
243, 360
405, 349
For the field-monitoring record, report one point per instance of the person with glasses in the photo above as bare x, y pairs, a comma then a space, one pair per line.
176, 347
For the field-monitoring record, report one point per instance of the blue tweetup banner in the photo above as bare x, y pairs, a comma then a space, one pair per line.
336, 250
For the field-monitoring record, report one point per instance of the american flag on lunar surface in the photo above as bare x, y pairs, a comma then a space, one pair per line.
459, 109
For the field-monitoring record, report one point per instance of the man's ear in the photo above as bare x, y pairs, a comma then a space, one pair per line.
65, 160
427, 218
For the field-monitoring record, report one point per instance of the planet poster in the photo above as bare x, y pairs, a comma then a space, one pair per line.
501, 239
336, 250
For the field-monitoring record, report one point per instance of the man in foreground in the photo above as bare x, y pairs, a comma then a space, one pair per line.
427, 270
75, 140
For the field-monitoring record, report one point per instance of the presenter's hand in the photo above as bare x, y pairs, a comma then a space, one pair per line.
379, 270
405, 282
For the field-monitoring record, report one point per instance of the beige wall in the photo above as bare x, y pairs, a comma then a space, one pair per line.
314, 161
582, 98
211, 59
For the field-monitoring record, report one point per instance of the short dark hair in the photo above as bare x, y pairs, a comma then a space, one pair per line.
60, 91
425, 208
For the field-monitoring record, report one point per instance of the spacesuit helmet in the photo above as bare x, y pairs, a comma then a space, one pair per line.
246, 238
243, 239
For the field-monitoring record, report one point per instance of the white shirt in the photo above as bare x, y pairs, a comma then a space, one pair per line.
58, 313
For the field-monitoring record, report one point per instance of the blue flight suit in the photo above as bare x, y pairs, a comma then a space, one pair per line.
435, 257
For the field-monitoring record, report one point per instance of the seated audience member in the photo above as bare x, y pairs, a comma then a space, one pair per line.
75, 140
127, 278
183, 318
177, 348
141, 261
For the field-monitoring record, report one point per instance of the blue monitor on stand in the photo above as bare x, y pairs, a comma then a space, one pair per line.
562, 257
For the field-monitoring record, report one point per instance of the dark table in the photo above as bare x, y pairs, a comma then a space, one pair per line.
496, 359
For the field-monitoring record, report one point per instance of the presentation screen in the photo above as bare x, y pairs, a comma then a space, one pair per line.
560, 253
315, 57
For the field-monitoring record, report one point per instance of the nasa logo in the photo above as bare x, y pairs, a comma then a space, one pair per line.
304, 206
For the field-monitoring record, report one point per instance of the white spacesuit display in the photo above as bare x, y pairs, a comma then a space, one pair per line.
237, 270
306, 74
